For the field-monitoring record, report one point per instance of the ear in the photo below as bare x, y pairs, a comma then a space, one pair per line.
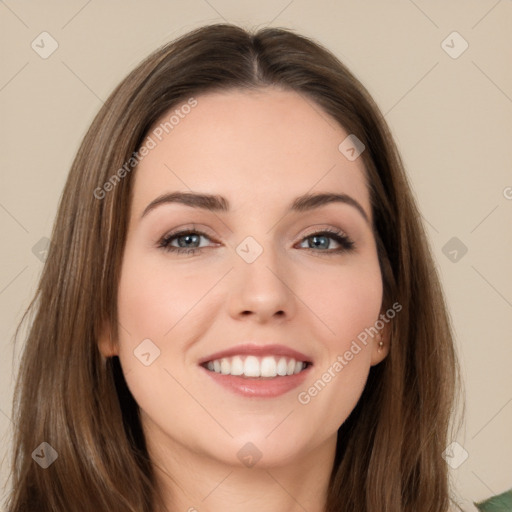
381, 345
106, 346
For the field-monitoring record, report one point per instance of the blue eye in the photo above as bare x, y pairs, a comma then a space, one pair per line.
322, 240
188, 242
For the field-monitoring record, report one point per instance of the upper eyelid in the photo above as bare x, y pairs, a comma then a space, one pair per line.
186, 230
329, 230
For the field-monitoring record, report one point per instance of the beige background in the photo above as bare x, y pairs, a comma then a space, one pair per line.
452, 119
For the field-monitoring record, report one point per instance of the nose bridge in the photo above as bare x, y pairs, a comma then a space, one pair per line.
260, 279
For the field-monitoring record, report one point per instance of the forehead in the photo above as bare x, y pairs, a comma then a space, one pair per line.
257, 148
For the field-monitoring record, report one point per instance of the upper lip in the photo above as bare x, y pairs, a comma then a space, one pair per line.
252, 349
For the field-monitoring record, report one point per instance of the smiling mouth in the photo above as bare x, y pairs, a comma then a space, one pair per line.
252, 367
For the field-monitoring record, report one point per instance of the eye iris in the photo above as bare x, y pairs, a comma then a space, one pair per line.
324, 243
188, 238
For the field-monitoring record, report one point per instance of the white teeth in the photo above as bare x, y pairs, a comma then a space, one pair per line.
252, 366
225, 366
237, 366
268, 367
281, 366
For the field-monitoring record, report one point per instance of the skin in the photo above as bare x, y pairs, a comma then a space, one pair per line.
260, 150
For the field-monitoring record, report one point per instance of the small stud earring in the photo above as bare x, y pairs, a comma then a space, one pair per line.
381, 343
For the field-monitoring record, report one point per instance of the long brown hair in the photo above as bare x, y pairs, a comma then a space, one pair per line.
389, 450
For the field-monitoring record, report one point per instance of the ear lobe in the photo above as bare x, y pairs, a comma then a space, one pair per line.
105, 345
380, 347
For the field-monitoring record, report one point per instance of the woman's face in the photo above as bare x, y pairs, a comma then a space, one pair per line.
257, 276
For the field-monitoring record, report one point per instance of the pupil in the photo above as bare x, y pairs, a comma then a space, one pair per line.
324, 243
188, 238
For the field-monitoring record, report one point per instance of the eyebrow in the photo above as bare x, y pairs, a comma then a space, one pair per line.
218, 203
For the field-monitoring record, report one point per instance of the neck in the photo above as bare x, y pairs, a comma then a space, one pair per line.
189, 481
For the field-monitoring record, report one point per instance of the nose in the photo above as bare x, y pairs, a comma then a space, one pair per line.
262, 290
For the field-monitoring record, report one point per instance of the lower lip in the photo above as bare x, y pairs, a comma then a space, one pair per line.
259, 387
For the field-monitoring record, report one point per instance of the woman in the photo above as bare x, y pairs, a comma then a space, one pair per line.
239, 305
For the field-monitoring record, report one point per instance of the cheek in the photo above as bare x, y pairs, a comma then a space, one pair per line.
162, 310
155, 305
154, 297
347, 300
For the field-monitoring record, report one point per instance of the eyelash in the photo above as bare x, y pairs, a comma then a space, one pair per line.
346, 244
